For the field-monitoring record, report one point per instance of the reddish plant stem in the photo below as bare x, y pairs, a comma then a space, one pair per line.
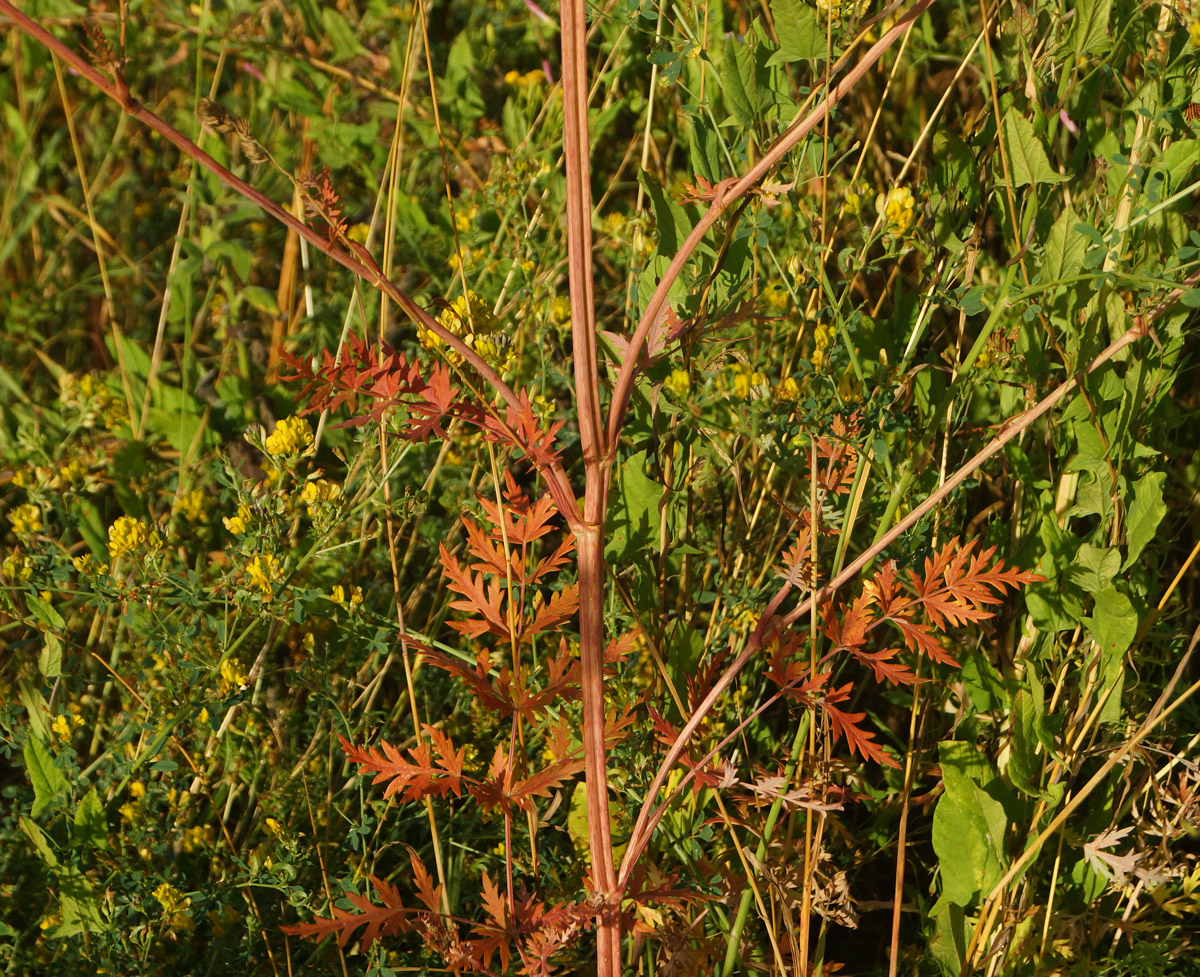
726, 193
360, 263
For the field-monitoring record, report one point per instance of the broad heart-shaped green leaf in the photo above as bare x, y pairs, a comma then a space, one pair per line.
48, 781
1065, 248
1144, 514
1113, 625
1027, 159
800, 36
968, 835
1089, 32
670, 219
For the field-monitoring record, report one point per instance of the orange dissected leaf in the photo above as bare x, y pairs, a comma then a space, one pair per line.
476, 679
430, 895
859, 740
417, 776
499, 791
494, 935
485, 603
560, 608
380, 921
523, 521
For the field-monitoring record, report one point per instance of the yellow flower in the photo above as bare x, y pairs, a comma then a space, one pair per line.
72, 472
174, 903
678, 383
338, 596
744, 381
128, 535
193, 505
292, 435
273, 827
831, 8
788, 389
26, 519
237, 524
319, 490
61, 728
525, 82
776, 298
852, 203
137, 789
262, 570
464, 216
17, 566
232, 677
849, 389
49, 921
198, 836
899, 209
469, 318
1194, 33
560, 310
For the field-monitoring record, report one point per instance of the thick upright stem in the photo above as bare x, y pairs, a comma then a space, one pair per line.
591, 644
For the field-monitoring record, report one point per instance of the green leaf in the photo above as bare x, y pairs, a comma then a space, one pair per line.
44, 612
261, 298
48, 781
670, 219
1113, 625
1094, 567
1089, 32
50, 658
968, 836
738, 83
345, 44
800, 36
1145, 513
45, 852
91, 826
635, 509
1065, 249
1026, 157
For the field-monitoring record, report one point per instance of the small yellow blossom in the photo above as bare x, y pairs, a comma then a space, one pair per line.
198, 836
788, 389
61, 728
464, 217
232, 677
776, 298
852, 203
17, 566
128, 535
338, 596
678, 383
137, 789
469, 318
273, 827
319, 490
1194, 33
174, 905
899, 209
262, 570
744, 380
832, 9
849, 389
822, 338
237, 524
49, 921
292, 435
72, 472
25, 519
193, 505
527, 81
130, 812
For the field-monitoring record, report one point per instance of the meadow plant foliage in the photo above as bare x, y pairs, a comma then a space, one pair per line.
599, 488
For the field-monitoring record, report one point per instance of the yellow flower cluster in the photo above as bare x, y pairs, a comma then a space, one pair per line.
85, 566
262, 571
25, 519
832, 9
776, 298
193, 505
849, 389
237, 524
899, 209
788, 389
678, 384
822, 338
317, 491
232, 677
88, 395
743, 380
292, 435
63, 726
338, 596
17, 566
1194, 33
127, 535
528, 81
469, 318
174, 905
560, 311
198, 837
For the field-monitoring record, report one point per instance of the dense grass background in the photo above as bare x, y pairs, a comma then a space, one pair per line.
191, 613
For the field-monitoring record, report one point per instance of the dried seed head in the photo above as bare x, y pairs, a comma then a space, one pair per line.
214, 115
254, 152
242, 128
